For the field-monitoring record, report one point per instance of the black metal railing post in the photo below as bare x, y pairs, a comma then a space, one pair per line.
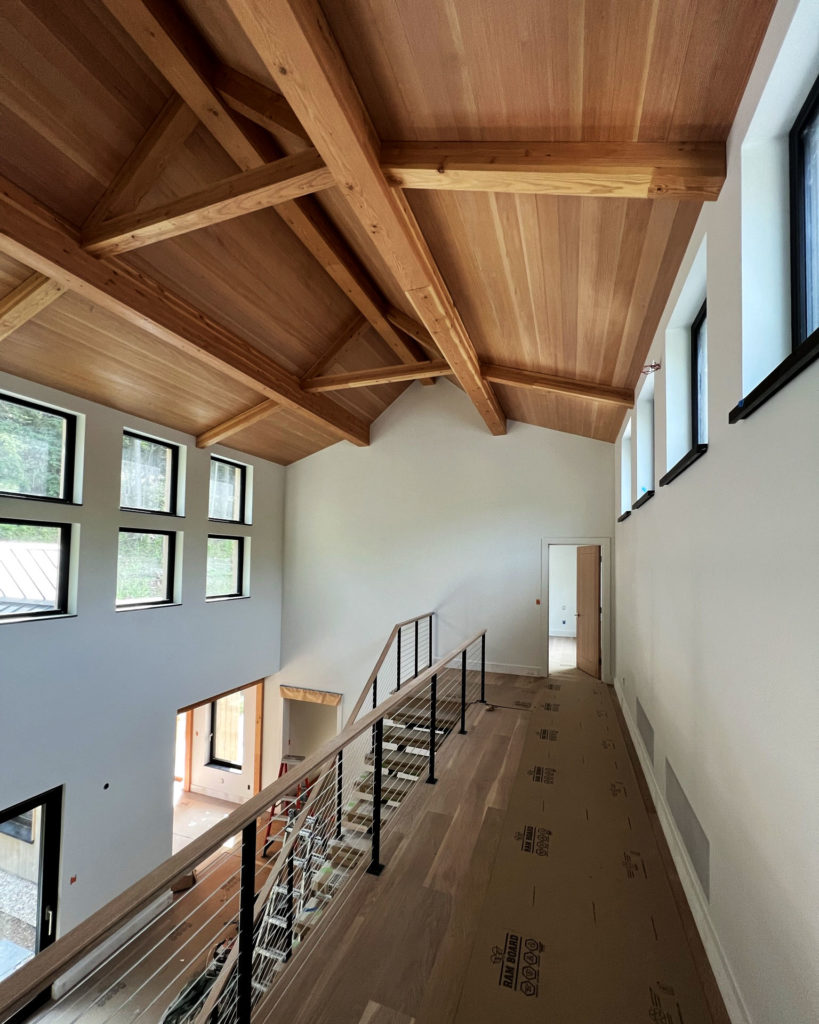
376, 867
463, 693
398, 662
430, 641
247, 896
433, 703
483, 668
339, 791
291, 910
375, 705
416, 647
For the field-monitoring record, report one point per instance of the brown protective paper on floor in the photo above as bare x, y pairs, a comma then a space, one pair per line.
579, 922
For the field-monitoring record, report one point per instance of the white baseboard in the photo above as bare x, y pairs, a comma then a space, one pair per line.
734, 1003
82, 968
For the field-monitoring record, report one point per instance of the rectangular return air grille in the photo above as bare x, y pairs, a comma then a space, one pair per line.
646, 730
693, 834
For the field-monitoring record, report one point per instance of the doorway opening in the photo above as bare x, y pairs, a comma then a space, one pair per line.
29, 880
575, 608
309, 719
217, 759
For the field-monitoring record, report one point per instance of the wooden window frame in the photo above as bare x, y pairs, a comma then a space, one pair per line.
174, 489
61, 598
66, 496
243, 490
171, 574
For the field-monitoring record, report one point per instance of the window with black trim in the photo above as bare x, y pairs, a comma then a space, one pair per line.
37, 450
227, 731
228, 491
225, 566
145, 568
33, 568
804, 232
698, 389
149, 478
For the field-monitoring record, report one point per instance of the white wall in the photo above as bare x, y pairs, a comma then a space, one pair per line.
92, 699
562, 590
717, 612
435, 515
308, 725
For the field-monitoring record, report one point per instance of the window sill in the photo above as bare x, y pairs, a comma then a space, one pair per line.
234, 769
44, 617
790, 367
687, 460
143, 607
152, 512
622, 518
227, 597
643, 499
65, 502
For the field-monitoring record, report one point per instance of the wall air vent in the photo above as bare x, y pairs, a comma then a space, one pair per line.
693, 834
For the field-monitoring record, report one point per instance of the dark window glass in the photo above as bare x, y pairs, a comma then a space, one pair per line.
33, 568
36, 450
805, 219
227, 730
149, 469
699, 378
21, 826
145, 568
225, 558
227, 491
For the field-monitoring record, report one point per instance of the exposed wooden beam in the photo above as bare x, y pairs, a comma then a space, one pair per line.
414, 330
629, 170
380, 375
257, 102
172, 126
345, 337
236, 423
172, 44
37, 237
295, 44
26, 300
242, 193
514, 378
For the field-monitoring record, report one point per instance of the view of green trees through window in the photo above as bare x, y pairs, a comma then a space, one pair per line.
148, 475
32, 450
224, 577
227, 485
144, 568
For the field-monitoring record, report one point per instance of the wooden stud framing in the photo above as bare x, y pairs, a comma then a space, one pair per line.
242, 193
35, 236
641, 170
258, 737
559, 385
236, 423
171, 43
173, 125
380, 375
296, 46
26, 300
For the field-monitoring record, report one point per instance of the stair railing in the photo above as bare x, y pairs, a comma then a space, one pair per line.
225, 944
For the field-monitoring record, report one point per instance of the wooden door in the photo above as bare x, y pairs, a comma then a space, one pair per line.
588, 609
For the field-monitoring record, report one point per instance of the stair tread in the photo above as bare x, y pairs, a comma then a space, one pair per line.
391, 788
401, 761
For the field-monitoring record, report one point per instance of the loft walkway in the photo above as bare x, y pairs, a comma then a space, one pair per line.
420, 944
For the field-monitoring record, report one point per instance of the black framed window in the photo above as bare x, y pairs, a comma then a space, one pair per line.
149, 478
33, 568
37, 450
227, 731
145, 568
228, 486
804, 170
225, 566
699, 396
804, 208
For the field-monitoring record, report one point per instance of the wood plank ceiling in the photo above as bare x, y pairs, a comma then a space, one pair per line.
544, 259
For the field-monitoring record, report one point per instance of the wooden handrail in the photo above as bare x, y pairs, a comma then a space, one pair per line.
21, 986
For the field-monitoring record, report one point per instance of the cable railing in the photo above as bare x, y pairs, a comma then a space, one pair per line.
240, 936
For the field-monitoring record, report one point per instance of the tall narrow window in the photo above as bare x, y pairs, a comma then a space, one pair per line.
36, 450
691, 425
33, 568
645, 443
228, 484
699, 378
625, 471
145, 566
149, 475
804, 160
227, 731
